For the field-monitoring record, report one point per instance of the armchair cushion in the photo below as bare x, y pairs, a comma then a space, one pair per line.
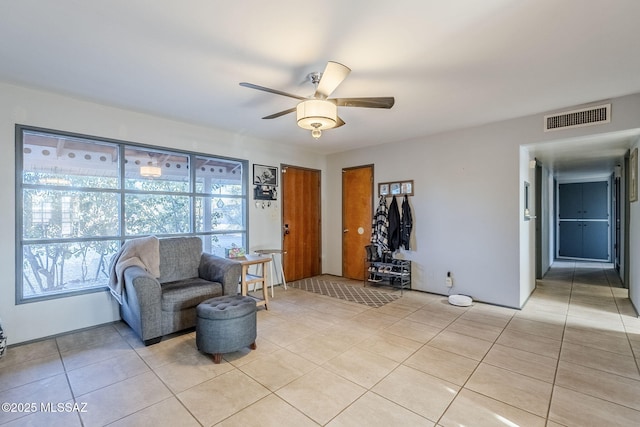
179, 258
187, 293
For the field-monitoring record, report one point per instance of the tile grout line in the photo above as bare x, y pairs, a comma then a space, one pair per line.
624, 326
370, 389
463, 387
555, 374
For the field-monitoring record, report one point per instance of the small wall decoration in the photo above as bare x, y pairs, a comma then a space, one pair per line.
265, 179
406, 187
395, 188
633, 165
265, 192
265, 175
399, 188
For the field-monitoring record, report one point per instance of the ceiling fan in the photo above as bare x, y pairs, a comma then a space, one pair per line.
319, 112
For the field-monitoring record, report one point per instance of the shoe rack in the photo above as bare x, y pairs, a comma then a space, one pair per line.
392, 272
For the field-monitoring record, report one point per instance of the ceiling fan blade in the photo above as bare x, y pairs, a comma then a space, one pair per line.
333, 75
340, 123
281, 113
266, 89
374, 102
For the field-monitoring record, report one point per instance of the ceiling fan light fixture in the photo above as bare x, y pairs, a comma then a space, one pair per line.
317, 114
316, 133
320, 112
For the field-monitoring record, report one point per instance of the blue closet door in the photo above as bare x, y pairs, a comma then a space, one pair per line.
594, 200
570, 239
583, 229
595, 239
570, 201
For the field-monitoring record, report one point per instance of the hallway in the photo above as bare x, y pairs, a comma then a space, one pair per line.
597, 380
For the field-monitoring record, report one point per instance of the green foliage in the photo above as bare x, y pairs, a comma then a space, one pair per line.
74, 223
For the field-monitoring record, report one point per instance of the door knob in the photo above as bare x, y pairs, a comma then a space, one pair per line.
345, 230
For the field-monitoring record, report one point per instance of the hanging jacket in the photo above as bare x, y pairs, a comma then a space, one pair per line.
394, 225
406, 224
380, 226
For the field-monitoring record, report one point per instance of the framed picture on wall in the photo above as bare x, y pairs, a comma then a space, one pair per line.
633, 186
265, 192
406, 187
265, 175
383, 189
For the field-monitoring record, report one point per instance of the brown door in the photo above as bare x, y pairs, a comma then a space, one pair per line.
357, 211
301, 234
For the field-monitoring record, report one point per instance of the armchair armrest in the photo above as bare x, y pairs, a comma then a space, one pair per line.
141, 306
221, 270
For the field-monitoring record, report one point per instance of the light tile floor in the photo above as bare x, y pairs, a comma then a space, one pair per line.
570, 357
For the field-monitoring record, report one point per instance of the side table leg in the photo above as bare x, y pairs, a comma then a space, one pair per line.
272, 274
284, 282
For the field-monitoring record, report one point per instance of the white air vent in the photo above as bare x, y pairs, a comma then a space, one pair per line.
578, 118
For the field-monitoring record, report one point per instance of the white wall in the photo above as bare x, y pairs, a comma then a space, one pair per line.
548, 220
466, 211
36, 108
466, 207
527, 228
467, 203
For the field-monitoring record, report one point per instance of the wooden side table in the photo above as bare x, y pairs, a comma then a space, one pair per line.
246, 279
272, 252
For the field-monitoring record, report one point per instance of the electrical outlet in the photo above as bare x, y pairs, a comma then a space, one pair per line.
448, 281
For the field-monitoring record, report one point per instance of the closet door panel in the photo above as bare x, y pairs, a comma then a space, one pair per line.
570, 201
595, 240
570, 239
594, 200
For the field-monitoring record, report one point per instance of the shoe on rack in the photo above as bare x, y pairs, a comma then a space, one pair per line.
369, 252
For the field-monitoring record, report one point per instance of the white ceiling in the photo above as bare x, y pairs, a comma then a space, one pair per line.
449, 64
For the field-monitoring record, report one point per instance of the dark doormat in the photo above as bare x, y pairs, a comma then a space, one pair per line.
361, 295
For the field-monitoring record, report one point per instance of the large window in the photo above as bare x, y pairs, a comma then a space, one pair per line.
79, 198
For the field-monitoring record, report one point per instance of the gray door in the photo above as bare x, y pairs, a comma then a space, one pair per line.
594, 239
594, 200
570, 239
570, 201
583, 226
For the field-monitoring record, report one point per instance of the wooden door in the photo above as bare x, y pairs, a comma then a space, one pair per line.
301, 222
357, 211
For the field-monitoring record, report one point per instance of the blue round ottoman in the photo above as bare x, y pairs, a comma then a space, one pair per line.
226, 324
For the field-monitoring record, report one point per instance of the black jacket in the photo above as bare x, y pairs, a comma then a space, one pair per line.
406, 224
394, 225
